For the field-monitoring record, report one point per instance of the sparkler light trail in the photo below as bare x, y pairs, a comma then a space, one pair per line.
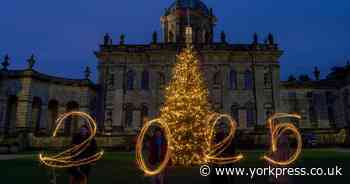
68, 158
276, 130
218, 148
139, 145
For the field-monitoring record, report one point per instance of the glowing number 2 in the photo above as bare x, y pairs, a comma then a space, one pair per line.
69, 158
218, 148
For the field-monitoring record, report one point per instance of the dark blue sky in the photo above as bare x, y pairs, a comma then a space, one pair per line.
63, 34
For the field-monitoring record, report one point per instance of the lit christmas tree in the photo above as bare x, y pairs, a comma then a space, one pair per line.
186, 110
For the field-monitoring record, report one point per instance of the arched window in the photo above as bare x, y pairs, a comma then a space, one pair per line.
36, 114
144, 114
71, 123
248, 79
233, 79
235, 113
130, 77
52, 114
11, 114
145, 80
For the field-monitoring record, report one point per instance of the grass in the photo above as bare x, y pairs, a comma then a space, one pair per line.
116, 167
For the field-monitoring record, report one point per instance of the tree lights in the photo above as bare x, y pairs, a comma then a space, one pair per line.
187, 120
189, 124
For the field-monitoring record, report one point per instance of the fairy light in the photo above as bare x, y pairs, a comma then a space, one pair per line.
68, 158
187, 120
185, 111
189, 124
276, 130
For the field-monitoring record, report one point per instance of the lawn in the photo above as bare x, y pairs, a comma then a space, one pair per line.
116, 167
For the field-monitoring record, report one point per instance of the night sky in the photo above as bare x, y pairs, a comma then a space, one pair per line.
63, 34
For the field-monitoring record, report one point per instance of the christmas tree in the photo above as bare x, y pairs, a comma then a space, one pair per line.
186, 109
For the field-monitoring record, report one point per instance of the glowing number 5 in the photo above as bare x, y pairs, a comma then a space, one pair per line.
276, 131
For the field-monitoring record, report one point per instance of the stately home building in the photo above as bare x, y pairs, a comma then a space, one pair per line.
243, 80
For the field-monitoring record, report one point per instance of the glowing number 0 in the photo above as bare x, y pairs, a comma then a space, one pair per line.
68, 158
276, 131
139, 145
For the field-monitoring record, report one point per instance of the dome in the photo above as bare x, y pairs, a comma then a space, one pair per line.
192, 4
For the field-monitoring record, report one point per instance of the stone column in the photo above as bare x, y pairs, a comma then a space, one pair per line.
24, 106
24, 109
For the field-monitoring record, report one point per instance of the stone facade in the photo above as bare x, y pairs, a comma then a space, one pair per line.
31, 101
243, 79
234, 75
